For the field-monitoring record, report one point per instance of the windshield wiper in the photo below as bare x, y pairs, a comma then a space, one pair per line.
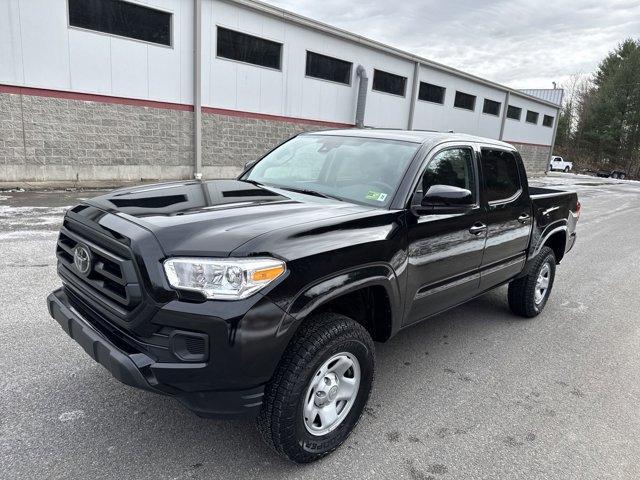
315, 193
306, 191
253, 182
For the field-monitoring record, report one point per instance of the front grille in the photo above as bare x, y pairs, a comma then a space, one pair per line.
110, 295
107, 329
112, 280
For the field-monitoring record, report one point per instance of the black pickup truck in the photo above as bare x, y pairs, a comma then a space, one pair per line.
264, 295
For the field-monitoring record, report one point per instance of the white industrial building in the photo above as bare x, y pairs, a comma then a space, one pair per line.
114, 90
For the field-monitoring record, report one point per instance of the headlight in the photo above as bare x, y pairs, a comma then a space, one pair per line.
223, 278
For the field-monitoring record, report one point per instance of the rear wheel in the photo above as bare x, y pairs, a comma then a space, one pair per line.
566, 169
529, 294
320, 388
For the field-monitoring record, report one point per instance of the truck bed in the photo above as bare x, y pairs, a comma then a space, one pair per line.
552, 209
541, 192
550, 205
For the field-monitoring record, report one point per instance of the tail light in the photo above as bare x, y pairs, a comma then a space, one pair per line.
578, 207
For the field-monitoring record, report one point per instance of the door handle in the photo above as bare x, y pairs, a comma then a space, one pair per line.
477, 229
524, 217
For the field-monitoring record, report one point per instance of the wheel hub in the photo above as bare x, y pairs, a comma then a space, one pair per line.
542, 283
331, 394
327, 390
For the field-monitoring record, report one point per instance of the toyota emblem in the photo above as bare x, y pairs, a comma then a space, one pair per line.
82, 259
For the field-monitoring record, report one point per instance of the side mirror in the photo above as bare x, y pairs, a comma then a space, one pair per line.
443, 199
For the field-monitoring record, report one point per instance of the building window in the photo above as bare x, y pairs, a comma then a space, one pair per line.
464, 100
547, 121
514, 112
532, 117
491, 107
389, 83
124, 19
431, 93
248, 49
328, 68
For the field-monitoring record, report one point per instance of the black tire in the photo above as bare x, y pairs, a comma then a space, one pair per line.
522, 291
280, 420
566, 169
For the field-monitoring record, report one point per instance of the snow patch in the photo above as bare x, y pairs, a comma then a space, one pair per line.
14, 218
28, 235
71, 416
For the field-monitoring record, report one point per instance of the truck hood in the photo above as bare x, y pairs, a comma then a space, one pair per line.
213, 218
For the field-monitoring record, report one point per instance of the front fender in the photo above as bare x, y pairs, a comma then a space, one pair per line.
340, 283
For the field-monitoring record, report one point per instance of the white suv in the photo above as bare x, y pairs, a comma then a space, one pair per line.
559, 163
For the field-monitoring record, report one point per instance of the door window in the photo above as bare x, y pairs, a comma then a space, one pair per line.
453, 166
501, 177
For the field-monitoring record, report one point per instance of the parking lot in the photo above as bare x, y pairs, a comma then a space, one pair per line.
473, 393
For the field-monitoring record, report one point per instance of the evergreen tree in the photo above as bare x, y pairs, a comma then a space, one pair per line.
609, 112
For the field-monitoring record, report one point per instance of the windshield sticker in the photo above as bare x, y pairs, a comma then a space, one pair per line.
380, 197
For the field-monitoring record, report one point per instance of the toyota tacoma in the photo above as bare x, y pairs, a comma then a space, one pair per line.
264, 295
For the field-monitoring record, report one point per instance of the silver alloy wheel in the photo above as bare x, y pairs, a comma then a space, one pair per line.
542, 283
331, 393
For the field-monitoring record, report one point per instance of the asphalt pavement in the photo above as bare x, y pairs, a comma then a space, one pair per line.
473, 393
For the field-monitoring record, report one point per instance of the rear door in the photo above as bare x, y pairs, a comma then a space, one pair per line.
444, 250
508, 208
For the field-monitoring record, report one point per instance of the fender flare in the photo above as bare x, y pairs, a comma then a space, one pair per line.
549, 231
343, 282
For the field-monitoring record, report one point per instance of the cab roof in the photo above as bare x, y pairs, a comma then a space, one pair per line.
415, 136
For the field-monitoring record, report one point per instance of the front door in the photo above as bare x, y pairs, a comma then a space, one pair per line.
445, 250
508, 216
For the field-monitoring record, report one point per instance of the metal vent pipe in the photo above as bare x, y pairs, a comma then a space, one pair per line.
361, 73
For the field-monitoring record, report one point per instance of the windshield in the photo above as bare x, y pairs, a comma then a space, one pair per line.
361, 170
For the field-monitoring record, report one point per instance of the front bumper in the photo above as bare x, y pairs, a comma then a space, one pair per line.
141, 371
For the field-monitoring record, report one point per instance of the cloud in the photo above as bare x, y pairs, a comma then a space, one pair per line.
520, 43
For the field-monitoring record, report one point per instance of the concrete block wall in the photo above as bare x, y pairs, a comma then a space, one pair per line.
230, 141
535, 157
11, 132
44, 139
48, 140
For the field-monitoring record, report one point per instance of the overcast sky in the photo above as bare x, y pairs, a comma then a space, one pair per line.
520, 43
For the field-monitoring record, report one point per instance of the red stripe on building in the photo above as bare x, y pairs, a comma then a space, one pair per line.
275, 118
89, 97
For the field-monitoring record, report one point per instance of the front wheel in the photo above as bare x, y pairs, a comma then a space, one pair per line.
319, 389
529, 294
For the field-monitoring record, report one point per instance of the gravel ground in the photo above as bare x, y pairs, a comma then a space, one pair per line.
473, 393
